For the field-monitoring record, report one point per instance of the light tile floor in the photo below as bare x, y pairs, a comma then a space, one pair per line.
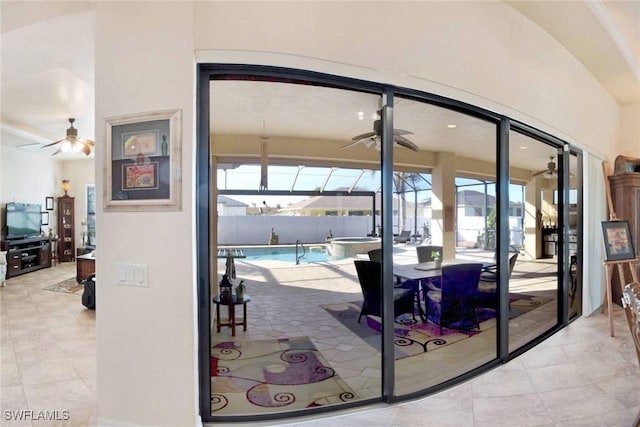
48, 349
579, 377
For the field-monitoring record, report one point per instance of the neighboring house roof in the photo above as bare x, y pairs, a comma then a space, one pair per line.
232, 203
339, 202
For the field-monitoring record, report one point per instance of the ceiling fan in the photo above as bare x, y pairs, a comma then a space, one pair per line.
71, 143
374, 138
550, 171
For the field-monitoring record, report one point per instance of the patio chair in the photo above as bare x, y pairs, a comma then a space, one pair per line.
631, 304
371, 284
413, 285
487, 294
375, 255
426, 254
404, 237
454, 305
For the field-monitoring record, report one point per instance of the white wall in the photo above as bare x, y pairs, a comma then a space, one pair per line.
146, 337
28, 177
231, 210
480, 52
629, 142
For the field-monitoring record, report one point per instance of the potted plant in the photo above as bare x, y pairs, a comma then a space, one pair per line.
435, 256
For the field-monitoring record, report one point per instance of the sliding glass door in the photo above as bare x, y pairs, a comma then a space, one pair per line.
454, 154
295, 206
360, 243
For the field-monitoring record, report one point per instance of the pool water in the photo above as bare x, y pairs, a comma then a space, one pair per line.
313, 254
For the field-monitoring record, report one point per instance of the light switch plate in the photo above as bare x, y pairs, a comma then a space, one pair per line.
132, 275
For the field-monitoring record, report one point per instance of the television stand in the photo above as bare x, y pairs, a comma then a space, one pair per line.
26, 255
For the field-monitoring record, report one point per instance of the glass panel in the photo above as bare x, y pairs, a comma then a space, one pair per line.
310, 178
343, 179
370, 181
533, 284
306, 343
448, 335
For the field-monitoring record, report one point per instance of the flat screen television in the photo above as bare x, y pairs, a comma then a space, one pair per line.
23, 220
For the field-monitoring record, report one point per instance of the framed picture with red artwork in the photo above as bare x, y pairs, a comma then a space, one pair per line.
143, 170
617, 240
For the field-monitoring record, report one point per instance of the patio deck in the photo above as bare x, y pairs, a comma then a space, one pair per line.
287, 302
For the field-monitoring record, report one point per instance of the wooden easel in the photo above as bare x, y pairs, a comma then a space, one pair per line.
607, 304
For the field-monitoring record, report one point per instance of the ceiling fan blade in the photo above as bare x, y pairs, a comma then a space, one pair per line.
363, 136
540, 172
401, 140
57, 151
53, 143
352, 144
86, 141
402, 132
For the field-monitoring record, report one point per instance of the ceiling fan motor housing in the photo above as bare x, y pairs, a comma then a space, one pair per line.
72, 132
377, 126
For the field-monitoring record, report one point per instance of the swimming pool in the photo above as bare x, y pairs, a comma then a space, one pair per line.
314, 253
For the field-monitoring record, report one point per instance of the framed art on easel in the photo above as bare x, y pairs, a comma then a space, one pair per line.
617, 240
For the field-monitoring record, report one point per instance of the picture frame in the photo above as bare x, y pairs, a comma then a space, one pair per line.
618, 243
144, 162
44, 220
48, 203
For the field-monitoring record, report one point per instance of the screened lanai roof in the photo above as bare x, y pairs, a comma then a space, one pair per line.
246, 177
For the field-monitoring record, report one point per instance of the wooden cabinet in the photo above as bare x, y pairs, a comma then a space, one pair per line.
625, 192
66, 229
26, 255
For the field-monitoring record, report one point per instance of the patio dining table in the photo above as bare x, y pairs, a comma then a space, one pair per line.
418, 272
428, 270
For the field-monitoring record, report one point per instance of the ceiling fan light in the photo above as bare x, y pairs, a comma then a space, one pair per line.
65, 146
76, 147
